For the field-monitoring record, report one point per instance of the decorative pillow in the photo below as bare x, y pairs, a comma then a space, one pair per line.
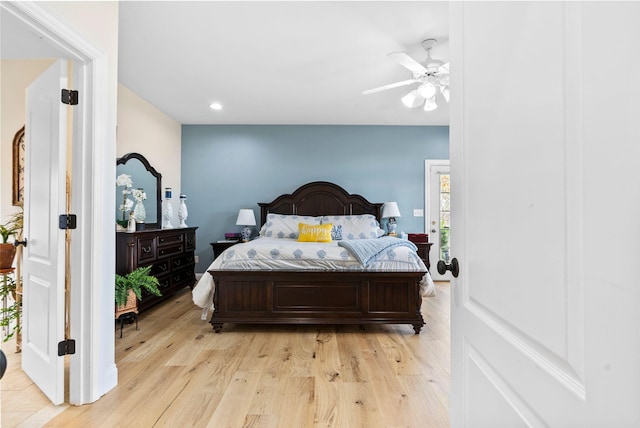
314, 232
336, 232
285, 226
363, 226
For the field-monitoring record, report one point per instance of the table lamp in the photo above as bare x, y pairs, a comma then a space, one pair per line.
390, 211
246, 218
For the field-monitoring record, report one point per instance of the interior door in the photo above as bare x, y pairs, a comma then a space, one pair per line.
438, 220
43, 273
545, 309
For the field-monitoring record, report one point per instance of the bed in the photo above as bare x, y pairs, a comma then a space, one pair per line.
387, 290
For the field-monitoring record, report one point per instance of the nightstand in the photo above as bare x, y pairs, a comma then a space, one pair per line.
423, 252
219, 246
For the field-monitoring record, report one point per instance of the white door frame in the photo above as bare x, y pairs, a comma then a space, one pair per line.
92, 368
434, 253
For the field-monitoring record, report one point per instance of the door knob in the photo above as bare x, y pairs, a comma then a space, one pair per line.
18, 243
433, 231
454, 267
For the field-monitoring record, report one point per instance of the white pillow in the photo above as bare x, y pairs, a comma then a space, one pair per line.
285, 226
362, 226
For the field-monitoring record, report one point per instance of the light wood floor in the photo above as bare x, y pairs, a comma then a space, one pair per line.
175, 372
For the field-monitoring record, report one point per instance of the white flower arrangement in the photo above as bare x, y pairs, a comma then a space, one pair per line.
124, 180
139, 195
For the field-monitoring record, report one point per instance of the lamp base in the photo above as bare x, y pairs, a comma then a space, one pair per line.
391, 227
246, 234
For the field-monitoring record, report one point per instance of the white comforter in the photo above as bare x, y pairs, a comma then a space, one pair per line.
289, 254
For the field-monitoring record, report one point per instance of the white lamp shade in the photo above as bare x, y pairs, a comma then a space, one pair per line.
430, 104
246, 217
413, 99
390, 209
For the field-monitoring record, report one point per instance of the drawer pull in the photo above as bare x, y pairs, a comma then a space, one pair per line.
163, 267
177, 262
146, 250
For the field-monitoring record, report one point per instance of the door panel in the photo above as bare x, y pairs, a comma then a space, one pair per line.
44, 254
523, 307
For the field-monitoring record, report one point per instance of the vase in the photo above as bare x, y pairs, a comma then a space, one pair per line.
182, 211
167, 210
7, 253
139, 213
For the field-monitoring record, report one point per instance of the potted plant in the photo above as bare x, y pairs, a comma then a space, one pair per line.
129, 289
7, 249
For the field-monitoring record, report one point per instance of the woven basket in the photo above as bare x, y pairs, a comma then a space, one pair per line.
130, 306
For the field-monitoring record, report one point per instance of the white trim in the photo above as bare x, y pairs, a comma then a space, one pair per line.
92, 369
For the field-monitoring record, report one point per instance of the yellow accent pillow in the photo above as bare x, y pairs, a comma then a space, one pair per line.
314, 232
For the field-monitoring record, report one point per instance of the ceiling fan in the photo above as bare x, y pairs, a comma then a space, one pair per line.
433, 75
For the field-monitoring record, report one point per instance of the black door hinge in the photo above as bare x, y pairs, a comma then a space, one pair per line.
69, 97
67, 221
66, 347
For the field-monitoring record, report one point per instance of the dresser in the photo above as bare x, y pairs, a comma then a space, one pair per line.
168, 251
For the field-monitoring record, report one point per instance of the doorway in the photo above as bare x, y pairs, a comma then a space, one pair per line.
437, 221
92, 367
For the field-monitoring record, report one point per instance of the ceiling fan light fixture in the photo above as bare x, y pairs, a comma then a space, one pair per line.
430, 104
413, 99
427, 90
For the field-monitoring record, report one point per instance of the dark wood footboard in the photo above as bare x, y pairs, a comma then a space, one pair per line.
312, 297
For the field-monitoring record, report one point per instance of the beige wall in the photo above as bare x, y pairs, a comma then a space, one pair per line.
144, 129
15, 76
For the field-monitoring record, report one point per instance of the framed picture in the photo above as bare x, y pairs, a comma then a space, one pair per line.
18, 167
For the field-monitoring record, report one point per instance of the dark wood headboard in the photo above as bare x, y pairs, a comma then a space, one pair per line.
319, 198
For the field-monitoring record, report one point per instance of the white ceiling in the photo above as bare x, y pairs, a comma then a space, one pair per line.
277, 62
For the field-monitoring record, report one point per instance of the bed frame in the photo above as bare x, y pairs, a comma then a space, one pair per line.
312, 297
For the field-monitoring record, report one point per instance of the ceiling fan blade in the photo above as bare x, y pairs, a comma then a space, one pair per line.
389, 86
406, 61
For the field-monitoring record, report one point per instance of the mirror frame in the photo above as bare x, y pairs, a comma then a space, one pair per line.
157, 175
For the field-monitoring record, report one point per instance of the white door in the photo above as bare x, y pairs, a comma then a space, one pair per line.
437, 222
545, 311
43, 271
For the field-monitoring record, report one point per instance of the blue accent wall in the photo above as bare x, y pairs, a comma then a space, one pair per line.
228, 167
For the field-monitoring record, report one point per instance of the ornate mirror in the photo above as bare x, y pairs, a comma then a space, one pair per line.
143, 176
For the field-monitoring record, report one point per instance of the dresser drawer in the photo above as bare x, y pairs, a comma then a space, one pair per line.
160, 267
184, 276
168, 239
169, 250
146, 250
182, 261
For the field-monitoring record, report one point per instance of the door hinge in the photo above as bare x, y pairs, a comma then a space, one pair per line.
66, 347
67, 221
69, 97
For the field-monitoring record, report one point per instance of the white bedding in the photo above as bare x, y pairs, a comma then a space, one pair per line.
289, 254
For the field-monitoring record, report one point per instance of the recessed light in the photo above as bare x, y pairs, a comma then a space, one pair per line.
215, 106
